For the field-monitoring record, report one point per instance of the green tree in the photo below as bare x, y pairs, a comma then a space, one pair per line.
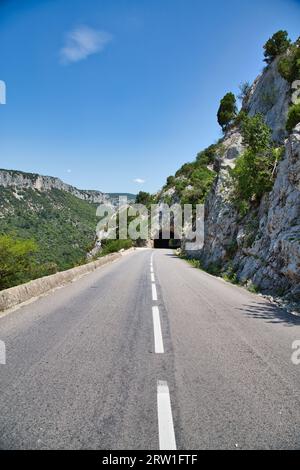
144, 198
227, 111
16, 260
208, 155
276, 45
254, 171
256, 134
289, 64
253, 174
293, 117
170, 180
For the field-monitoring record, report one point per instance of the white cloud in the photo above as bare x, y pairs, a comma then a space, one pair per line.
139, 180
82, 42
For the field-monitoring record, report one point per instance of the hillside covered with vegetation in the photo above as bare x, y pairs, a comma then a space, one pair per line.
60, 227
46, 230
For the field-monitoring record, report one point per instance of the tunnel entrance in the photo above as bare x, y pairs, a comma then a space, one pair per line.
168, 242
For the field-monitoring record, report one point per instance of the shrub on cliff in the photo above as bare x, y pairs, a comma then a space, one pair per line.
289, 64
276, 45
256, 134
227, 111
144, 198
208, 155
293, 117
254, 171
253, 175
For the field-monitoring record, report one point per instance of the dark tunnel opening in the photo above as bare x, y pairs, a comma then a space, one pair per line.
168, 242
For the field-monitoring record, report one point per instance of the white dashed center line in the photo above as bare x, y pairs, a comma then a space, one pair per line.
154, 293
164, 410
165, 419
158, 341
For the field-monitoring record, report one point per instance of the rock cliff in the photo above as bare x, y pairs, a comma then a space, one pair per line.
261, 248
21, 180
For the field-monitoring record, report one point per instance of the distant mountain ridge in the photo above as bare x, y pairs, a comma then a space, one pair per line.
60, 218
22, 180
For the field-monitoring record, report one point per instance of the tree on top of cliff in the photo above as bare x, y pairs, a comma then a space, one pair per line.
144, 198
227, 111
276, 45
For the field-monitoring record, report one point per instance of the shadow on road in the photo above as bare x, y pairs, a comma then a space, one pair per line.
270, 313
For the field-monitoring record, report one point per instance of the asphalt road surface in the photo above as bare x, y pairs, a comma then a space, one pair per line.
148, 354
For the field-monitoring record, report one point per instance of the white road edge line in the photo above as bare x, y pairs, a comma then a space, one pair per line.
165, 420
154, 292
152, 277
158, 341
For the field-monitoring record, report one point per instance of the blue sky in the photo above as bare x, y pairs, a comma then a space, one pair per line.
101, 93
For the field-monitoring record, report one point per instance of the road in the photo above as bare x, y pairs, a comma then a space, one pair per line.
149, 355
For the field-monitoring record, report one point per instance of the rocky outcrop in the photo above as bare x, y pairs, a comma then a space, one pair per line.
270, 96
262, 248
273, 260
21, 180
221, 218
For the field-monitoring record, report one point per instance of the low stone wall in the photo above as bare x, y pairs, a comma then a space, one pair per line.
16, 295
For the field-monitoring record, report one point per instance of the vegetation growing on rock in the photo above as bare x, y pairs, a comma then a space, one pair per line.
193, 181
254, 172
293, 117
289, 63
276, 45
227, 111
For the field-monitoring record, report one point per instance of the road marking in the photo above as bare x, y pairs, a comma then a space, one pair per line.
151, 269
152, 277
154, 292
158, 341
165, 419
151, 261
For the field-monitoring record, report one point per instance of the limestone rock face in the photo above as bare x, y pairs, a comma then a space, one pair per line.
264, 246
270, 96
221, 218
267, 240
20, 180
273, 262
